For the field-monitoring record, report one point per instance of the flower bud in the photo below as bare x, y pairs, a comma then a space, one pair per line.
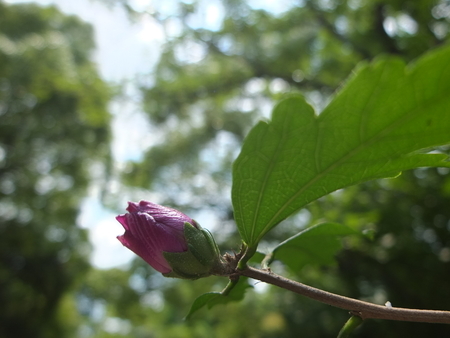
171, 242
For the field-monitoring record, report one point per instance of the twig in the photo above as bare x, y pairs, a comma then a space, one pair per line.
356, 307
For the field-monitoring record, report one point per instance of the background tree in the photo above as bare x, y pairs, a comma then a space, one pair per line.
54, 134
211, 85
220, 81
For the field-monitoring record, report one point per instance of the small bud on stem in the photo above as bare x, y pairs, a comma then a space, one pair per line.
171, 242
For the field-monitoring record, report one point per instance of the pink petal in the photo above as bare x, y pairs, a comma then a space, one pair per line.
155, 235
133, 207
123, 220
155, 259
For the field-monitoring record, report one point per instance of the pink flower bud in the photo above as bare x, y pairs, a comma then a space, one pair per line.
151, 229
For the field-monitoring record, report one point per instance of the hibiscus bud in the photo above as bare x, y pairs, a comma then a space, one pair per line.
171, 242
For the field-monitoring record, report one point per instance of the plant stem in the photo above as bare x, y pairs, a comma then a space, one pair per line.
248, 252
356, 307
350, 326
230, 286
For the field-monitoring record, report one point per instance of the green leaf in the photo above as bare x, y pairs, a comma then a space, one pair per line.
315, 245
202, 301
233, 292
374, 128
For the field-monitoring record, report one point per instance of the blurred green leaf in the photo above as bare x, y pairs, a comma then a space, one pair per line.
206, 299
373, 128
315, 245
210, 299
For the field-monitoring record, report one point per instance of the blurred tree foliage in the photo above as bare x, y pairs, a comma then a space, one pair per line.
54, 137
212, 84
213, 81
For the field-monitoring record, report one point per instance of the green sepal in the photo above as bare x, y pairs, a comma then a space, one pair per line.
199, 244
201, 259
185, 265
209, 237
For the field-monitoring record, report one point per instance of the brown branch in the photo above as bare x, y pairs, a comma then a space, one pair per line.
356, 307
